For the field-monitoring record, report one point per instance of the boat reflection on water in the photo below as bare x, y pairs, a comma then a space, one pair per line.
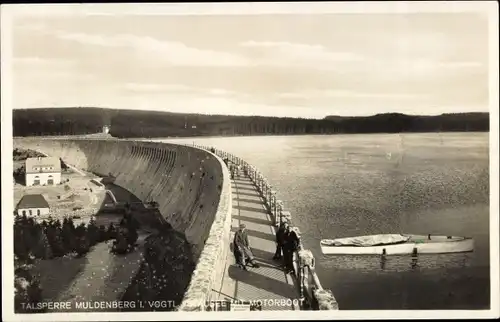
413, 265
396, 263
383, 260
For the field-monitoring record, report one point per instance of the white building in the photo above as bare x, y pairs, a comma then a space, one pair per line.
43, 171
33, 206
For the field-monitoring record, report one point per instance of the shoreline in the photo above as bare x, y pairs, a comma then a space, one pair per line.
285, 135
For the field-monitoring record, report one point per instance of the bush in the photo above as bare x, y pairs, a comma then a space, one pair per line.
57, 245
167, 255
26, 290
68, 235
82, 245
53, 239
34, 291
21, 249
111, 232
25, 237
92, 233
130, 225
132, 236
81, 230
42, 249
103, 234
120, 244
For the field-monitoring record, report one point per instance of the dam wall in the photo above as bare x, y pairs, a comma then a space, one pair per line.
191, 186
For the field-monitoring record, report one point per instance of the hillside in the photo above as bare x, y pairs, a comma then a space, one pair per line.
132, 123
396, 122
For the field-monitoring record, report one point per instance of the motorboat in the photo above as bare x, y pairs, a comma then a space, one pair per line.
396, 244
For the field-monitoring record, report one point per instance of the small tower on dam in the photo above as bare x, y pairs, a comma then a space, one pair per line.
105, 129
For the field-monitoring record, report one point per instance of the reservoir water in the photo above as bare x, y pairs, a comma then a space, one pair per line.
349, 185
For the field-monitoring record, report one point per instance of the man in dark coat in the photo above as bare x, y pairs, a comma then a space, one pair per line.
242, 248
280, 240
231, 169
290, 245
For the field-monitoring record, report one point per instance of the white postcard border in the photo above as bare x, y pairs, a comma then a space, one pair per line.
488, 8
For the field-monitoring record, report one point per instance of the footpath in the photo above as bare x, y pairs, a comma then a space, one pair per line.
267, 285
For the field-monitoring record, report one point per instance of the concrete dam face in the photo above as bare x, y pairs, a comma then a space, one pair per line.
191, 186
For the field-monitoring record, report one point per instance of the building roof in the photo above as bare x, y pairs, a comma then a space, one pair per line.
32, 201
37, 165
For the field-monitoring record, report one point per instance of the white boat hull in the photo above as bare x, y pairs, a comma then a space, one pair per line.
419, 243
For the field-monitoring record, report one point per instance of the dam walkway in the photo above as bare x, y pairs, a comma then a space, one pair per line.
267, 284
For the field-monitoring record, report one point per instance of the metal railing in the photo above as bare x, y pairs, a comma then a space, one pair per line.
312, 295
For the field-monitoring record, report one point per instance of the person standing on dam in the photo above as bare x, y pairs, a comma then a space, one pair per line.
280, 240
231, 169
242, 248
290, 245
238, 171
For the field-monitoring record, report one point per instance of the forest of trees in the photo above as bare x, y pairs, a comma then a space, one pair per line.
51, 239
23, 154
166, 271
54, 121
131, 123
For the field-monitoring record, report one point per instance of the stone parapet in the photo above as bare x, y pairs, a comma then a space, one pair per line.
304, 259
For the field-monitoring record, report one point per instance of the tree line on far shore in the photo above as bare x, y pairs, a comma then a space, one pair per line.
132, 123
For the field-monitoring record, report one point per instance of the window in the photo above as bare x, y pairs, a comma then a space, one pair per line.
36, 177
38, 212
31, 212
50, 176
24, 212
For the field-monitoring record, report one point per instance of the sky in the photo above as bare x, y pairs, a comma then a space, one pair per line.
298, 65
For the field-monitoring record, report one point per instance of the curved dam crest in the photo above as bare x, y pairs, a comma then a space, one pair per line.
191, 186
